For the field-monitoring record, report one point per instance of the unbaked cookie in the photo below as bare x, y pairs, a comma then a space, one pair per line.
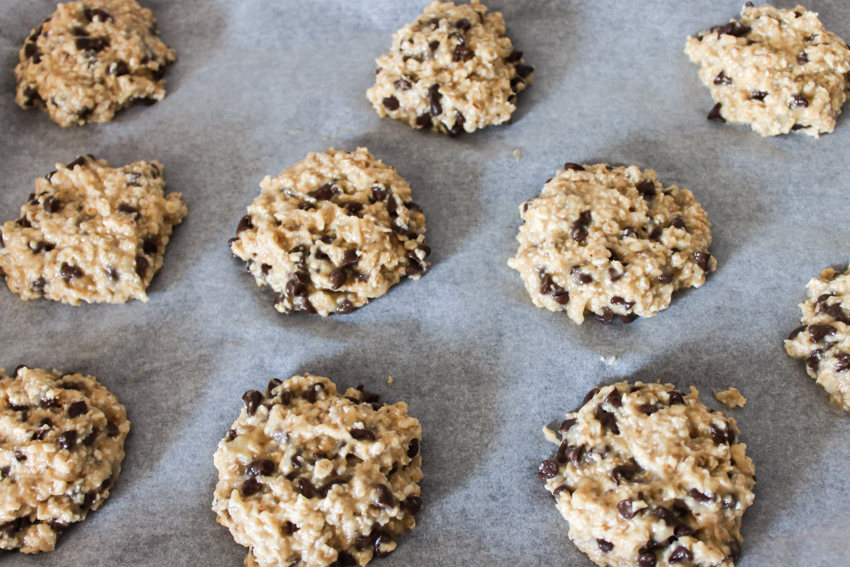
332, 232
824, 339
61, 447
90, 59
90, 232
451, 70
613, 242
776, 70
309, 477
646, 475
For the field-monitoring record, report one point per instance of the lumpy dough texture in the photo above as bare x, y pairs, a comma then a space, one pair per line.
90, 59
824, 339
332, 232
451, 70
91, 233
310, 477
61, 447
776, 70
646, 475
613, 242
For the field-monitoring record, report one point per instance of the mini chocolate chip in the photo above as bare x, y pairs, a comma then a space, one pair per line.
68, 272
333, 481
460, 120
548, 469
150, 246
524, 70
802, 58
337, 277
92, 44
606, 317
604, 546
353, 208
646, 560
629, 232
460, 53
391, 103
273, 383
413, 448
141, 266
97, 15
646, 188
112, 430
729, 501
589, 396
305, 487
714, 113
545, 283
607, 419
463, 24
251, 486
325, 192
363, 434
77, 409
617, 300
382, 540
678, 222
573, 166
624, 472
345, 307
434, 97
697, 495
311, 394
578, 231
424, 120
813, 360
113, 273
52, 205
680, 554
675, 397
722, 79
614, 399
625, 509
67, 440
614, 274
842, 363
412, 505
575, 455
127, 209
561, 297
799, 101
656, 233
350, 258
718, 435
385, 497
415, 266
260, 468
566, 425
702, 259
580, 277
818, 332
252, 400
244, 224
758, 95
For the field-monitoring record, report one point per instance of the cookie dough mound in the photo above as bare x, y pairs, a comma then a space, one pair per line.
90, 233
776, 70
451, 70
61, 447
332, 232
646, 475
90, 59
309, 477
824, 339
613, 242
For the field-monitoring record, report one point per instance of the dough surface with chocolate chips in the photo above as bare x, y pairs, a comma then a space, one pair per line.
90, 59
451, 70
612, 242
61, 447
646, 475
307, 476
332, 232
776, 70
824, 339
91, 233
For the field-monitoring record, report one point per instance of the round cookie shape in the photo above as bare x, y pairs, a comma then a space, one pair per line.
777, 70
646, 475
824, 339
61, 447
90, 59
612, 242
332, 232
311, 477
451, 70
91, 233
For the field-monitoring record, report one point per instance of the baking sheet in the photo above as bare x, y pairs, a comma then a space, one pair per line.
257, 86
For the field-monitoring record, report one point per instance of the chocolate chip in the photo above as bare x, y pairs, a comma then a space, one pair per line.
624, 472
461, 53
697, 495
604, 546
720, 436
127, 209
813, 360
575, 455
732, 28
251, 486
702, 259
463, 24
330, 483
606, 317
68, 272
150, 246
92, 44
842, 362
796, 332
244, 224
675, 398
412, 505
252, 400
305, 487
413, 448
391, 103
325, 192
112, 430
415, 266
350, 258
802, 59
580, 277
614, 399
722, 79
363, 435
353, 208
52, 205
818, 332
524, 70
144, 100
337, 277
625, 509
573, 166
545, 283
758, 95
434, 97
548, 469
678, 222
77, 409
97, 15
460, 120
345, 307
646, 188
273, 383
589, 396
566, 425
141, 266
607, 419
67, 440
311, 394
646, 560
120, 68
385, 497
383, 539
563, 488
260, 468
578, 231
561, 297
729, 501
799, 101
680, 554
714, 113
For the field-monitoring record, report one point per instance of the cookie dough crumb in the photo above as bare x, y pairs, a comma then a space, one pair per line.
390, 381
823, 340
332, 232
609, 361
91, 233
517, 154
731, 398
613, 242
777, 70
311, 477
90, 59
61, 447
648, 475
551, 436
452, 70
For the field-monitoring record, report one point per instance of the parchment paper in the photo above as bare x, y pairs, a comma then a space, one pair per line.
260, 84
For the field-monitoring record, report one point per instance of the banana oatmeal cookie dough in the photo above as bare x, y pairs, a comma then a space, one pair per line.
61, 447
91, 233
824, 339
90, 59
611, 241
646, 475
309, 477
332, 232
776, 70
451, 70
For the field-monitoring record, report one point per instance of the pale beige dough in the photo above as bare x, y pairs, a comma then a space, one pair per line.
90, 59
646, 476
313, 478
91, 233
61, 447
776, 70
612, 242
731, 398
332, 232
451, 70
824, 339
